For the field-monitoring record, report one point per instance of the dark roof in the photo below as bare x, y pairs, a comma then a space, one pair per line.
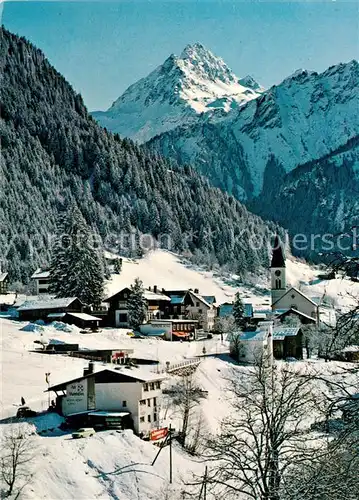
112, 375
277, 254
295, 311
114, 295
211, 299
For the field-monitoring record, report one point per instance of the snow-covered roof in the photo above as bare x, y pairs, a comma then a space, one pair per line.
135, 373
3, 276
40, 274
8, 299
149, 295
46, 304
280, 333
281, 312
200, 298
294, 289
84, 316
256, 335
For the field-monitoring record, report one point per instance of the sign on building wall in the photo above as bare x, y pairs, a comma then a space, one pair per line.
76, 397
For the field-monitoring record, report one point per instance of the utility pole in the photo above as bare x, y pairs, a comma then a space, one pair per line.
170, 432
167, 441
204, 486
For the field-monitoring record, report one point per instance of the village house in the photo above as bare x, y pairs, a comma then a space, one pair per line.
4, 283
126, 391
189, 304
118, 308
281, 342
171, 329
49, 309
41, 278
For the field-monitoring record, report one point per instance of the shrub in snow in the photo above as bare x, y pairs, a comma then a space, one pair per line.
58, 325
32, 327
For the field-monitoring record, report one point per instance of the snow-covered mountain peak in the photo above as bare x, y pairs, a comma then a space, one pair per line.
184, 86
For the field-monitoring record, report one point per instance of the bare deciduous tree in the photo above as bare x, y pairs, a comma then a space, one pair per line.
266, 434
16, 454
185, 395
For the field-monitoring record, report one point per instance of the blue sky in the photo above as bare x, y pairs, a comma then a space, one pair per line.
103, 47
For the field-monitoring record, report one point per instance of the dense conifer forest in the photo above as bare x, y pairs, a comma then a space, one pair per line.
54, 154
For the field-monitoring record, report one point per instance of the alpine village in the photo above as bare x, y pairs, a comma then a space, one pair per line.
179, 273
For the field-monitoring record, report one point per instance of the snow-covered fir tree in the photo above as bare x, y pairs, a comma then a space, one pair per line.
76, 263
137, 305
238, 311
117, 266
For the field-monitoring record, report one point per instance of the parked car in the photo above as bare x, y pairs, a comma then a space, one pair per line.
25, 412
83, 432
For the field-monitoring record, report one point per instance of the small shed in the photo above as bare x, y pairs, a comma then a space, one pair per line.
82, 320
287, 343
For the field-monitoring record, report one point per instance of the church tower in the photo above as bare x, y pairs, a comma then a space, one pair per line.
278, 271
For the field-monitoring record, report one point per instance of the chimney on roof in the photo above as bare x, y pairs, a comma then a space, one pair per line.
155, 288
89, 369
149, 288
196, 290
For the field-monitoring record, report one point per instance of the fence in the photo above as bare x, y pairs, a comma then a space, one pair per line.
173, 367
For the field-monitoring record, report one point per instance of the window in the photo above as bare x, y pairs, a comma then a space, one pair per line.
124, 403
278, 284
125, 295
158, 385
123, 318
148, 418
43, 282
145, 387
152, 386
154, 417
154, 401
148, 402
142, 419
200, 311
142, 402
197, 304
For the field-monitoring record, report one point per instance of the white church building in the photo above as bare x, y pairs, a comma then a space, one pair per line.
289, 300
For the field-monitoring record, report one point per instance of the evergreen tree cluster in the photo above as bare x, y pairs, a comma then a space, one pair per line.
55, 155
77, 268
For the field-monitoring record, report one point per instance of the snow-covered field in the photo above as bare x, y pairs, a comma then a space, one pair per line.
69, 469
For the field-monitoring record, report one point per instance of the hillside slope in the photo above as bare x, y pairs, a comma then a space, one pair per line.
54, 153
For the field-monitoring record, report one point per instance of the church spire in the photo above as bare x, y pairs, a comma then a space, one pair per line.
277, 254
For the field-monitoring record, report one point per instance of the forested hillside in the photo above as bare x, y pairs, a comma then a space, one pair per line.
53, 153
317, 198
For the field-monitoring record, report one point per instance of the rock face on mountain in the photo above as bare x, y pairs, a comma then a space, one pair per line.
303, 119
176, 93
53, 154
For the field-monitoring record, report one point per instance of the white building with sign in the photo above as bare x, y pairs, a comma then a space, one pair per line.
134, 390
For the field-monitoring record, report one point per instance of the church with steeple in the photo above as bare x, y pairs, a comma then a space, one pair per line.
288, 300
